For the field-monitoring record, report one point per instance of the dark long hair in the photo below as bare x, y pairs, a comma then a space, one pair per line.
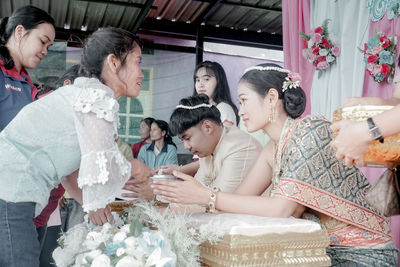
294, 99
148, 121
70, 74
163, 125
222, 92
182, 119
105, 42
28, 16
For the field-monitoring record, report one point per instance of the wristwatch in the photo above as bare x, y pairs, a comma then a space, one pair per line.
374, 130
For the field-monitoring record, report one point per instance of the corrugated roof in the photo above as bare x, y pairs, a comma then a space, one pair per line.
252, 19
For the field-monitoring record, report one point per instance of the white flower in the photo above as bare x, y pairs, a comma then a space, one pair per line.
101, 261
128, 261
330, 58
134, 252
93, 254
119, 237
126, 229
310, 43
119, 252
93, 240
323, 52
130, 242
105, 228
155, 259
63, 257
75, 236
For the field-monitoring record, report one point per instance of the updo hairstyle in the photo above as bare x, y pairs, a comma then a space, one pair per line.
294, 99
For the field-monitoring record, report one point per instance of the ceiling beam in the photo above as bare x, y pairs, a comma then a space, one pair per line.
117, 3
208, 12
214, 34
142, 15
228, 3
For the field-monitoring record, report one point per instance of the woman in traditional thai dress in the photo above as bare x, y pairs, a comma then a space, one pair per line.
299, 165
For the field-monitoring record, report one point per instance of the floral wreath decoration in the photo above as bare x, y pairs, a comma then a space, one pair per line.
379, 57
320, 50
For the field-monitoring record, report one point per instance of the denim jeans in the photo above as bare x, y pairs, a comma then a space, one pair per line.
19, 244
71, 215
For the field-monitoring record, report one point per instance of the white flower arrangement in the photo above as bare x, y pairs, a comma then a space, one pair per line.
109, 245
146, 238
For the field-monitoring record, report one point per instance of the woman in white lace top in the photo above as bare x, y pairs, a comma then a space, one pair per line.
70, 133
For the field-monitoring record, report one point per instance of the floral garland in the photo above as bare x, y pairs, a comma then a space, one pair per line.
379, 56
320, 50
142, 236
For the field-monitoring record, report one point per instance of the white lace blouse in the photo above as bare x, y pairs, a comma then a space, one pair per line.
74, 127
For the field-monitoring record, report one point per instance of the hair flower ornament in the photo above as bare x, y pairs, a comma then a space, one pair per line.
379, 57
320, 50
291, 81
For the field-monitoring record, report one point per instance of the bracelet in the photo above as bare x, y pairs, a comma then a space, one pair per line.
213, 197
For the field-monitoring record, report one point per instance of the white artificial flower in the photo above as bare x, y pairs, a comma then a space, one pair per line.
134, 252
63, 257
323, 52
155, 259
93, 240
119, 237
126, 229
101, 261
75, 236
105, 228
128, 261
93, 254
80, 260
130, 242
310, 43
330, 58
120, 251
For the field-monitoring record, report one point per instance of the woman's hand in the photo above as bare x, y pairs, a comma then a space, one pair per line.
186, 190
140, 172
100, 216
352, 141
139, 190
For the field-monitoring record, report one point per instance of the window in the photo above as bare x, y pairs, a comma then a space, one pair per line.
133, 110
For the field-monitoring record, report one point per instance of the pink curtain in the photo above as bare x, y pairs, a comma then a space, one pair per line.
384, 90
295, 19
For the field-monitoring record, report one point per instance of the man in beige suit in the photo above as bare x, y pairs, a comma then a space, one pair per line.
226, 153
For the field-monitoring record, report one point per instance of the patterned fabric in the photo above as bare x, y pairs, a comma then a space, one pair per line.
311, 175
378, 8
384, 255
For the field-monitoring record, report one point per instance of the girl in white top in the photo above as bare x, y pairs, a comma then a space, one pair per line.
210, 79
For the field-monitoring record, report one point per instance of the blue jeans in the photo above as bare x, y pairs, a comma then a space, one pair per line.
71, 215
19, 244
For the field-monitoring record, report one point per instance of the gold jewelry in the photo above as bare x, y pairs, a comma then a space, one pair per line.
272, 115
213, 197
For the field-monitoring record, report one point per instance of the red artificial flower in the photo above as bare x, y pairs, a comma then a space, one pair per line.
319, 59
372, 59
315, 50
385, 70
325, 43
318, 30
385, 41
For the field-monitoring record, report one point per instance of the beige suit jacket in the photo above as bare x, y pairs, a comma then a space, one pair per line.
233, 157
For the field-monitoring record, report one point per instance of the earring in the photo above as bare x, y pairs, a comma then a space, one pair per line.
272, 115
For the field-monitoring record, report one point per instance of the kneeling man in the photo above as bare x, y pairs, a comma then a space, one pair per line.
226, 153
